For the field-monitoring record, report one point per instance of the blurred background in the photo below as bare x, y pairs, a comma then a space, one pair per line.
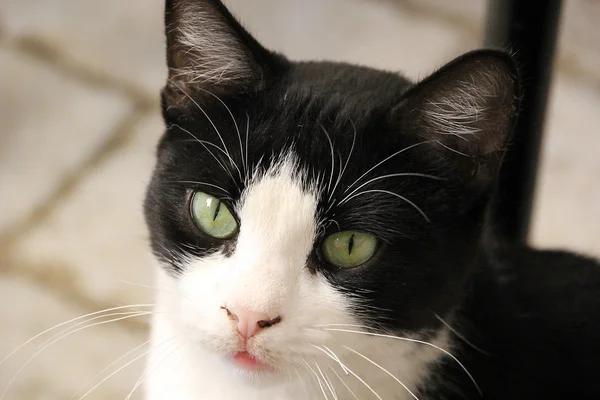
79, 119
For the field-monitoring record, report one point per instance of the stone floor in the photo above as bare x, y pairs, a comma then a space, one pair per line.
79, 120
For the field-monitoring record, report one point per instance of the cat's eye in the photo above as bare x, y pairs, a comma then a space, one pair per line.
212, 216
349, 249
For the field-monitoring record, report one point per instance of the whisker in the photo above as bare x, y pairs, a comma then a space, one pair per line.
115, 372
318, 379
451, 149
246, 158
147, 371
359, 378
60, 338
390, 176
236, 128
68, 322
86, 322
301, 381
385, 160
447, 325
332, 355
395, 195
332, 162
343, 382
326, 382
108, 366
203, 143
412, 341
349, 156
205, 184
383, 369
211, 122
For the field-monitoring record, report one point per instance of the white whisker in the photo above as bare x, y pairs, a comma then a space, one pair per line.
60, 338
451, 149
147, 370
205, 184
332, 161
389, 176
115, 372
211, 123
383, 369
108, 366
385, 160
327, 383
331, 354
412, 341
68, 322
236, 128
302, 382
204, 143
358, 377
395, 195
246, 157
447, 325
318, 379
343, 383
349, 156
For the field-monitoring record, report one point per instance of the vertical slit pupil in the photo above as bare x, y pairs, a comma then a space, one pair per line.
350, 244
217, 209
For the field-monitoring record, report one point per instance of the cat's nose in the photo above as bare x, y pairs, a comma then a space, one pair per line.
250, 322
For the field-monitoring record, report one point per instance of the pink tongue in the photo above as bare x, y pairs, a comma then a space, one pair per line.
245, 359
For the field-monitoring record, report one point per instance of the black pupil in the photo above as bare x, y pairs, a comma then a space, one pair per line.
350, 244
217, 210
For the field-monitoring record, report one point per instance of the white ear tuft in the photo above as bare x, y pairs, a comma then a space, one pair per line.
467, 109
207, 48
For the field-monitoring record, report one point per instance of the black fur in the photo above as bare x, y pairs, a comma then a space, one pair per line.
535, 313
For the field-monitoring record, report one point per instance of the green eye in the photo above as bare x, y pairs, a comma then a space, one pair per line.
349, 249
212, 216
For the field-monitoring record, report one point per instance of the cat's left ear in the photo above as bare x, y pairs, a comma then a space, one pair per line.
466, 111
208, 49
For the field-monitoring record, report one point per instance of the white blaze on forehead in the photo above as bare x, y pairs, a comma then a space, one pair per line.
277, 231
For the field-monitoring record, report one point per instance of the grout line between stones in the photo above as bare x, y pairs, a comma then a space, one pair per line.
51, 277
566, 63
119, 136
54, 279
42, 50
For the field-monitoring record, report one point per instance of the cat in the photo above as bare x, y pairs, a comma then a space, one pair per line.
320, 231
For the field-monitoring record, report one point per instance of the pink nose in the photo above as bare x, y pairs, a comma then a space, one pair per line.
250, 322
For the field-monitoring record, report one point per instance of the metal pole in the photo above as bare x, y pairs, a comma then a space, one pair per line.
527, 28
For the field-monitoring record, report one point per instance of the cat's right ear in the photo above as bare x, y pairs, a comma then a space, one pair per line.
208, 49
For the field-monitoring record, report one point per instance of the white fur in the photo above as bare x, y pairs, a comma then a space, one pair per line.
458, 112
267, 272
214, 55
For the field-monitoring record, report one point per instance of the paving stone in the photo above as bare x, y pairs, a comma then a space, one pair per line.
567, 206
97, 237
65, 367
49, 126
120, 38
124, 39
374, 33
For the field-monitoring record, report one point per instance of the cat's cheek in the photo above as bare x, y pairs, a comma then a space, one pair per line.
200, 290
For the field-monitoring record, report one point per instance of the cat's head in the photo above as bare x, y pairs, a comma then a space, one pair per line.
291, 198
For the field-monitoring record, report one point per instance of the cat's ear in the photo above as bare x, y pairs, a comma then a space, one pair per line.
466, 111
208, 49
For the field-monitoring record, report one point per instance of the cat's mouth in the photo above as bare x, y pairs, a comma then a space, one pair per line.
248, 361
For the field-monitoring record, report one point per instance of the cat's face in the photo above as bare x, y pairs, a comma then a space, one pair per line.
290, 199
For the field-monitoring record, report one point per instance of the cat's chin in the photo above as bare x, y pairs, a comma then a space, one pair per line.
258, 376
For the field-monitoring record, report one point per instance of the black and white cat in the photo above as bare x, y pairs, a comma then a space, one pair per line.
319, 230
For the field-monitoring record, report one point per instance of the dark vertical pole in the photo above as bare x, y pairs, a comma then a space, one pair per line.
529, 29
